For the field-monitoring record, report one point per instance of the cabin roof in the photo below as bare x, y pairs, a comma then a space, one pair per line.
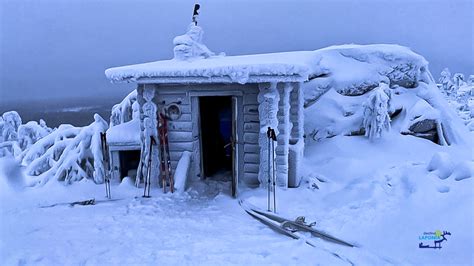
288, 66
342, 62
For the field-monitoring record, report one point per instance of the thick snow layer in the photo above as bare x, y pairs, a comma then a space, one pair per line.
126, 133
346, 64
377, 195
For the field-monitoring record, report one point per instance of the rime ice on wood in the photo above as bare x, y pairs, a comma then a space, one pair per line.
268, 99
149, 131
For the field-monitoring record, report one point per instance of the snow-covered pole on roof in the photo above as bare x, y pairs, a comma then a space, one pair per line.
189, 46
196, 13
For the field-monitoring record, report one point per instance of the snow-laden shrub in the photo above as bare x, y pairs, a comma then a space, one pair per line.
126, 110
9, 124
376, 118
67, 154
31, 132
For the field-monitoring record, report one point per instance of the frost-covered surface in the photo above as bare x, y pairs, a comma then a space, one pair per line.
126, 133
67, 154
379, 195
415, 105
189, 46
335, 61
182, 171
460, 94
126, 110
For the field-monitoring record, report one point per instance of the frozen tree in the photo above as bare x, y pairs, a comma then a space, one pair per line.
446, 82
458, 80
30, 133
470, 80
67, 154
9, 123
376, 117
126, 110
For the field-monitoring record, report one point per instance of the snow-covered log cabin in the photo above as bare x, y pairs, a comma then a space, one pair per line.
218, 109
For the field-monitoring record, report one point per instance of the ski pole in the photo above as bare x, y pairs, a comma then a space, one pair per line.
273, 169
269, 130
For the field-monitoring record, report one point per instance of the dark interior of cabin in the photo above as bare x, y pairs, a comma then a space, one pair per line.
216, 133
129, 160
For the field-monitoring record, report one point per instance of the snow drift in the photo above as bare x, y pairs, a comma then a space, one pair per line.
335, 99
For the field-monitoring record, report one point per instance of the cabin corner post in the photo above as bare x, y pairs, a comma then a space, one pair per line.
296, 147
148, 129
284, 127
268, 99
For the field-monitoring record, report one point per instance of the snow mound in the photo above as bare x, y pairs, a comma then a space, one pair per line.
441, 164
412, 105
128, 132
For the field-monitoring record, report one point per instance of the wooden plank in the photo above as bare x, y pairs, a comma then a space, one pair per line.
251, 137
177, 136
172, 98
251, 179
251, 168
250, 99
252, 127
181, 146
251, 109
251, 158
251, 118
185, 126
251, 148
184, 117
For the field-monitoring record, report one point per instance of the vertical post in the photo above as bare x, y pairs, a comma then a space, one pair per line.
284, 127
235, 147
268, 99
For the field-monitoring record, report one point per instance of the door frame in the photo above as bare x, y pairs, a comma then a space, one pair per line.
237, 132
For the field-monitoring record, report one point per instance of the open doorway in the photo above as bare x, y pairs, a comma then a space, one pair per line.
129, 160
216, 137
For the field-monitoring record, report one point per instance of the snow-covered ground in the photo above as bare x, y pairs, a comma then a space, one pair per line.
378, 195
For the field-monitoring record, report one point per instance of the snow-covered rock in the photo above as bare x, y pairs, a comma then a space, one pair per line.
414, 103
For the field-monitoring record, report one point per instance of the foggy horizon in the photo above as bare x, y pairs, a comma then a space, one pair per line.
60, 49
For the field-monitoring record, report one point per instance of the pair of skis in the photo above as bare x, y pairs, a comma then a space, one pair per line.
106, 160
289, 227
165, 158
271, 180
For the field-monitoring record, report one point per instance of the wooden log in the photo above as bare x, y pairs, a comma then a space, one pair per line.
251, 109
251, 158
179, 136
252, 127
251, 148
251, 168
251, 138
251, 118
185, 126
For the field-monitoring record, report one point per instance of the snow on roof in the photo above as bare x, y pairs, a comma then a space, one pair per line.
287, 66
124, 134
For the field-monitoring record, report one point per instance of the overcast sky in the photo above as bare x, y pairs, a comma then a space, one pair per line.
60, 48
